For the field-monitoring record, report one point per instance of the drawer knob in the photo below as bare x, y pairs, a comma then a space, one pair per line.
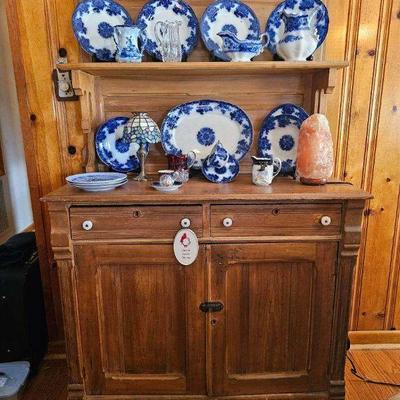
325, 220
87, 225
185, 223
227, 222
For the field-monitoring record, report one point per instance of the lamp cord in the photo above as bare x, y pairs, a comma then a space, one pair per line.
365, 378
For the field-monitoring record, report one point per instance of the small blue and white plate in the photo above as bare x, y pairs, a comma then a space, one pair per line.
115, 152
168, 10
97, 181
199, 125
224, 174
275, 27
227, 15
279, 135
93, 23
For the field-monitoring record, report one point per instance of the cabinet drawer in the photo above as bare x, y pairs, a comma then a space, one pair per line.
147, 222
275, 220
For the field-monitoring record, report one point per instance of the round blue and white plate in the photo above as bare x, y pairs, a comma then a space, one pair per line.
97, 181
227, 15
113, 150
224, 174
198, 125
279, 135
93, 23
275, 27
168, 10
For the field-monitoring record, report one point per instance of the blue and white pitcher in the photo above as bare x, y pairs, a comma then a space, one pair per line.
300, 38
127, 39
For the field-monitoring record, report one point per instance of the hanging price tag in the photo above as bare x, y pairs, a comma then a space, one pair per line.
186, 246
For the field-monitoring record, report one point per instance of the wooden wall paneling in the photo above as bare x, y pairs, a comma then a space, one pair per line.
31, 66
377, 312
371, 283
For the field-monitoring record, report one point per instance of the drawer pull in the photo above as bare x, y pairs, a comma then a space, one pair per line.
275, 211
87, 225
185, 223
211, 306
325, 220
227, 222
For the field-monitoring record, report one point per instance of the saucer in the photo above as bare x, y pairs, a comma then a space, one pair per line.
157, 186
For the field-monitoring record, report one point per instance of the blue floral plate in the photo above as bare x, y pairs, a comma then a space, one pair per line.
115, 150
224, 174
168, 10
275, 26
93, 23
279, 135
227, 15
199, 125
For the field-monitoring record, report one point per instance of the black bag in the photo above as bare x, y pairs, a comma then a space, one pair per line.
23, 331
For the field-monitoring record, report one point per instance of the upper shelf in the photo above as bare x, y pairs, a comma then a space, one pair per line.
204, 68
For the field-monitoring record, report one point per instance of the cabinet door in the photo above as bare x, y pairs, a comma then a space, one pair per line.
140, 325
274, 333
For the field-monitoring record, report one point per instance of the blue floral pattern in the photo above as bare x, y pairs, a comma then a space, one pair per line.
206, 136
193, 109
279, 135
301, 9
114, 149
224, 174
97, 38
180, 11
242, 16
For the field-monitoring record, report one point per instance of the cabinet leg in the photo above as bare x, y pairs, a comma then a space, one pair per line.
75, 392
337, 390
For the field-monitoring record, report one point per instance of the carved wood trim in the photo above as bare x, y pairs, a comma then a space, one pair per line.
347, 256
86, 86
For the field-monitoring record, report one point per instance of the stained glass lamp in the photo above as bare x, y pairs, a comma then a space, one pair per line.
141, 129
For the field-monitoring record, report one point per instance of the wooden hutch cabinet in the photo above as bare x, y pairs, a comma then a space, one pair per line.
281, 274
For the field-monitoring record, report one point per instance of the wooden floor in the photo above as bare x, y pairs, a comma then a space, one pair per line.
384, 365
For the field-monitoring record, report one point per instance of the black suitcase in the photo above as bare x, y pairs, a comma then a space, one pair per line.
23, 331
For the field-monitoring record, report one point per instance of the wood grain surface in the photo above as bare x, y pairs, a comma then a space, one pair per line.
363, 112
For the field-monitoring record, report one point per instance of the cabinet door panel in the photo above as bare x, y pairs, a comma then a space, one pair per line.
142, 331
274, 332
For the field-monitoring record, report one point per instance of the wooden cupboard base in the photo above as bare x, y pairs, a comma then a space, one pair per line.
286, 396
337, 390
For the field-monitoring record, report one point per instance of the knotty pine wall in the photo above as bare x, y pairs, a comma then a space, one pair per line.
364, 113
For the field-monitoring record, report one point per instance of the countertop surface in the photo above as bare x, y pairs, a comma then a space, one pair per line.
199, 190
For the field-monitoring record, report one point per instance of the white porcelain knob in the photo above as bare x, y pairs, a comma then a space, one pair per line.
185, 223
325, 220
87, 225
228, 222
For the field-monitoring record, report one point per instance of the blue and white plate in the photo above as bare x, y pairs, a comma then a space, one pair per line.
224, 174
275, 27
168, 10
93, 23
227, 15
198, 125
279, 135
112, 148
97, 181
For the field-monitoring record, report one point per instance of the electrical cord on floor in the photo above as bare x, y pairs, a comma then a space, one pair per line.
365, 378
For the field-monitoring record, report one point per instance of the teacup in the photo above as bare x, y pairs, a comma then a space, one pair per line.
167, 177
265, 169
218, 156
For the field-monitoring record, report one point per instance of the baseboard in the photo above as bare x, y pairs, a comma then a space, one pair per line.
374, 340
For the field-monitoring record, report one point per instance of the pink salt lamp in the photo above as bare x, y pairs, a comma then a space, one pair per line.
315, 151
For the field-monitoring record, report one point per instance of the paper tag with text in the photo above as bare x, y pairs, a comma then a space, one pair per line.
186, 246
